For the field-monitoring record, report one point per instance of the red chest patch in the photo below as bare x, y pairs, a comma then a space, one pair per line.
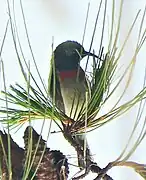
67, 74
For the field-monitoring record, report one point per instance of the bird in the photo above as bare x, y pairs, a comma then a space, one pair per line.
68, 82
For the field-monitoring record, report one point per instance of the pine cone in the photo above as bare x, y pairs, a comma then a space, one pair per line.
17, 156
50, 167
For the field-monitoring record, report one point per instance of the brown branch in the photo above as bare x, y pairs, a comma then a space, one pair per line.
89, 165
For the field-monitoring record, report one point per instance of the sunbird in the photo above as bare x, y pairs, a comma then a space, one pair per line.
69, 86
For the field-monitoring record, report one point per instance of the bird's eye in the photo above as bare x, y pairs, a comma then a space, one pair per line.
74, 51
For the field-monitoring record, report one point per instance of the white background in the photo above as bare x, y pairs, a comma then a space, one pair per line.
64, 20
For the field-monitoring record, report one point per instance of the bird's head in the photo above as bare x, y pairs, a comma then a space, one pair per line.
68, 54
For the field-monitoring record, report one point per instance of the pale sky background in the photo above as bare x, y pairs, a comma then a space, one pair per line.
65, 21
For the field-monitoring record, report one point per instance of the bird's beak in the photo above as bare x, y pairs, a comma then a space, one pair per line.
90, 54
